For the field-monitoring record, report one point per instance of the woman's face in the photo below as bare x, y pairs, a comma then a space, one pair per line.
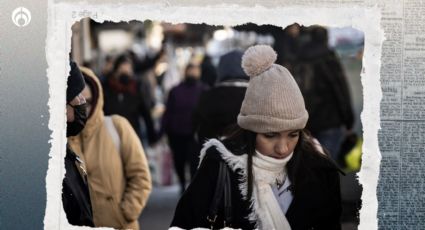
125, 68
89, 98
278, 145
194, 72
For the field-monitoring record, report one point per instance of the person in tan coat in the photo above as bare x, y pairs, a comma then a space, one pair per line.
118, 173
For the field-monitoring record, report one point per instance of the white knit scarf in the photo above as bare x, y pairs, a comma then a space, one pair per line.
266, 170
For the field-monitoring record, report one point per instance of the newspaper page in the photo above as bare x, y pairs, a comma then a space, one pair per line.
401, 203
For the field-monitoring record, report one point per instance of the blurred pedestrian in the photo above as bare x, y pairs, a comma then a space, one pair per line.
177, 121
118, 172
208, 71
289, 46
278, 177
123, 97
140, 68
219, 107
323, 83
106, 68
75, 193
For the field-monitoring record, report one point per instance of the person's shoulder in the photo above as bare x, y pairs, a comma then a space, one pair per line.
217, 150
118, 118
207, 95
203, 87
320, 162
70, 154
320, 169
175, 89
331, 56
120, 122
212, 154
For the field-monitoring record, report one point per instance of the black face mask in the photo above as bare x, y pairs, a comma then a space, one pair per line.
124, 79
80, 119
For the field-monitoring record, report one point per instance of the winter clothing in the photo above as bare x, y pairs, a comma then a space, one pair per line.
208, 72
324, 86
140, 67
273, 102
181, 102
315, 205
75, 82
119, 179
229, 67
123, 97
177, 123
219, 107
80, 118
268, 172
75, 194
332, 140
185, 150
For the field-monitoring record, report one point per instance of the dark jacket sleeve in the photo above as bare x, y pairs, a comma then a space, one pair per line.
192, 208
340, 87
169, 110
147, 63
75, 194
332, 219
197, 121
147, 117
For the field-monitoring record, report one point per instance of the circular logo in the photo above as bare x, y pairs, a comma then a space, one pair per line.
21, 16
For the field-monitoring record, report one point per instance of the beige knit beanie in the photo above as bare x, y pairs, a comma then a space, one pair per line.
273, 102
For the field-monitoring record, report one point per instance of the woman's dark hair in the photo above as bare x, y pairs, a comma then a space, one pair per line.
120, 60
306, 150
190, 66
242, 141
319, 35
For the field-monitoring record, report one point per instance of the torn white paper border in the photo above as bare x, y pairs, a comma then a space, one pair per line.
60, 20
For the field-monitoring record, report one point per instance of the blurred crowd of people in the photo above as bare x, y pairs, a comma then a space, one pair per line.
124, 116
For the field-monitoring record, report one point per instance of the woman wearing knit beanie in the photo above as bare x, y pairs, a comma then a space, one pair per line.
280, 178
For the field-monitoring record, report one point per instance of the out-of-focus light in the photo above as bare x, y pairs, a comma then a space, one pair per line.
115, 41
220, 35
161, 68
156, 36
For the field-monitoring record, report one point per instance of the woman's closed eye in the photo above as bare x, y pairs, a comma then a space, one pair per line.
294, 134
270, 135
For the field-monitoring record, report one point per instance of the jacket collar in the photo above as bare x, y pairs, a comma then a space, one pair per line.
238, 164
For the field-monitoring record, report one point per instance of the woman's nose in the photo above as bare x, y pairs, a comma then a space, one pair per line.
281, 148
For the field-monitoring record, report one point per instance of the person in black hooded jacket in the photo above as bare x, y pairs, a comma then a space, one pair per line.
219, 106
323, 83
75, 192
123, 96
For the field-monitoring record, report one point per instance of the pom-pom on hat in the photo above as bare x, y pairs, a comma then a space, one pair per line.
273, 101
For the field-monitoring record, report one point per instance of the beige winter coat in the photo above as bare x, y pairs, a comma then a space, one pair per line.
119, 181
